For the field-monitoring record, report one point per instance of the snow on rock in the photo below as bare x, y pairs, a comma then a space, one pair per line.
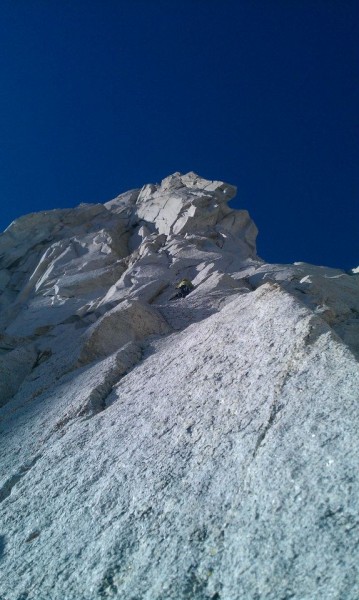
174, 448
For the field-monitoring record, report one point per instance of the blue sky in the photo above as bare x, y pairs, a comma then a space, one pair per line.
100, 96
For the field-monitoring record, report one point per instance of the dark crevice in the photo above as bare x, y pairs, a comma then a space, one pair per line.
33, 536
250, 284
41, 357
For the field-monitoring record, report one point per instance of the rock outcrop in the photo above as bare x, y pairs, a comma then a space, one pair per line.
198, 448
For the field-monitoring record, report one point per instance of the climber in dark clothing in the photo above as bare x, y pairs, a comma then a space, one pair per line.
184, 287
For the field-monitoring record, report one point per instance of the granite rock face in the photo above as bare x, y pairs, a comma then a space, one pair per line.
154, 448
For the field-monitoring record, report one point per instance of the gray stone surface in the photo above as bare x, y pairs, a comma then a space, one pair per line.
198, 448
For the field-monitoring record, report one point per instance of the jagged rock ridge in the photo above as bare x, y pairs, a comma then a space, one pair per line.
199, 448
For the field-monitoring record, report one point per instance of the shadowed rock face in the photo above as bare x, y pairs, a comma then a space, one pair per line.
196, 448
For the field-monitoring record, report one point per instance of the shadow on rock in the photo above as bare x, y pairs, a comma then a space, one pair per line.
2, 546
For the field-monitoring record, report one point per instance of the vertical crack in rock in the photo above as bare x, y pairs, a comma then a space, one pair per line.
15, 366
7, 487
315, 327
274, 411
126, 358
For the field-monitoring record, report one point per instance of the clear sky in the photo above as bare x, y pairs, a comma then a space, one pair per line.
101, 96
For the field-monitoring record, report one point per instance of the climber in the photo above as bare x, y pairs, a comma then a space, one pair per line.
184, 287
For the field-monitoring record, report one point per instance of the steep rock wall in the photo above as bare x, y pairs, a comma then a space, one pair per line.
193, 448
